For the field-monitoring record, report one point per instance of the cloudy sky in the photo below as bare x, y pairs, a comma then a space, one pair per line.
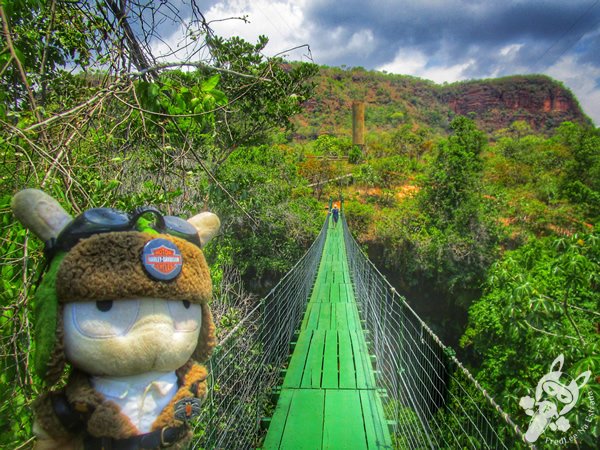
441, 40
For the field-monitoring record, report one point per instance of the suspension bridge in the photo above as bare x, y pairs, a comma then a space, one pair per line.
334, 358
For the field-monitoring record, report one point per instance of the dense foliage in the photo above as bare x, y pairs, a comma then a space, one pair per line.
540, 301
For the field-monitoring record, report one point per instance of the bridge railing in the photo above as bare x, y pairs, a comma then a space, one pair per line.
430, 399
245, 366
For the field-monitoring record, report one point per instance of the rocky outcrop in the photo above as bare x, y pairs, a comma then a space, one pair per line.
540, 101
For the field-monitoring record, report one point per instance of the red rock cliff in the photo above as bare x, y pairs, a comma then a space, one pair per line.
539, 100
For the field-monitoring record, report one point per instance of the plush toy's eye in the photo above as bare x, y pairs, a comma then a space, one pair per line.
104, 305
186, 316
104, 318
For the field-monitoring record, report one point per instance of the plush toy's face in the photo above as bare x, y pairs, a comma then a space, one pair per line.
129, 337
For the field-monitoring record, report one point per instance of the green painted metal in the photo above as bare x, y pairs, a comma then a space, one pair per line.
329, 399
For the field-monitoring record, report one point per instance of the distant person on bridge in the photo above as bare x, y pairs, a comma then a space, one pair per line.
335, 213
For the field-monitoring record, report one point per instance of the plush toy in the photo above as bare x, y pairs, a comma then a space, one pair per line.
124, 303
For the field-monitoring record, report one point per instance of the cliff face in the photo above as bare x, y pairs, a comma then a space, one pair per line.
393, 100
538, 100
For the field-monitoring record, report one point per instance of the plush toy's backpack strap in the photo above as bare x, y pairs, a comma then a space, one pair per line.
163, 438
74, 421
56, 418
70, 418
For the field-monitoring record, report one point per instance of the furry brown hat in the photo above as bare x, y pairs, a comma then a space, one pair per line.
109, 266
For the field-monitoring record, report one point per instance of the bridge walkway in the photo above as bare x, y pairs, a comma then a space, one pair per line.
329, 399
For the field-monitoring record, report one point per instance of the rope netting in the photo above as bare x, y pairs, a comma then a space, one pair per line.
245, 366
430, 399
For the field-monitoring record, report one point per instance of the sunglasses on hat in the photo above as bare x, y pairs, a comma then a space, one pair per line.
107, 220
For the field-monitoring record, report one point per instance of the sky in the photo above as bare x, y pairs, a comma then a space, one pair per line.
439, 40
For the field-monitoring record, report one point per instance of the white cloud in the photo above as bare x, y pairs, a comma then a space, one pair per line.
415, 63
362, 41
339, 44
285, 25
581, 79
282, 22
510, 51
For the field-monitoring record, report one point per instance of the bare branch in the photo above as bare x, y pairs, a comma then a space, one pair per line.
157, 67
548, 333
70, 112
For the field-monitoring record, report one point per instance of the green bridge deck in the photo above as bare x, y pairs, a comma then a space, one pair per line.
329, 399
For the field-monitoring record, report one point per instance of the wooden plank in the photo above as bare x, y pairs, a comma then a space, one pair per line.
380, 419
304, 425
313, 370
347, 292
330, 361
343, 426
347, 371
307, 314
343, 293
280, 416
321, 292
340, 315
313, 320
366, 360
334, 293
364, 377
295, 370
353, 317
325, 316
376, 430
334, 275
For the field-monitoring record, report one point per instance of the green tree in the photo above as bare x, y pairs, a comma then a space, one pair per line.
327, 145
263, 179
37, 48
457, 239
453, 184
410, 141
260, 105
581, 181
355, 155
540, 301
